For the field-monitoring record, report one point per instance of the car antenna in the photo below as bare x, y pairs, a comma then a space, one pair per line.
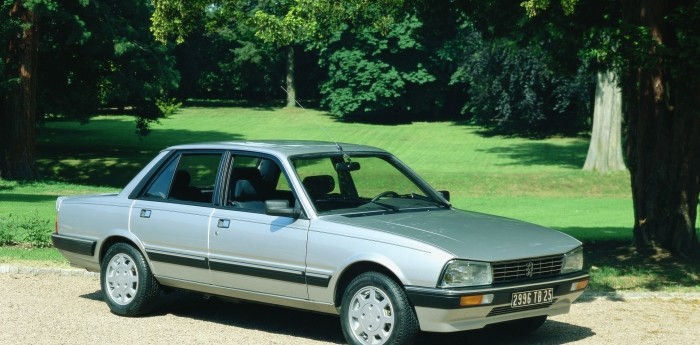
340, 148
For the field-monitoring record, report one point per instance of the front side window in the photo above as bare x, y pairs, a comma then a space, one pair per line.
254, 181
365, 183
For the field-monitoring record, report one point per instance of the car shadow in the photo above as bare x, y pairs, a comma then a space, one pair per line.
326, 328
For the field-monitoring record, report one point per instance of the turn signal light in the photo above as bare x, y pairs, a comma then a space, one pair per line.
470, 301
579, 285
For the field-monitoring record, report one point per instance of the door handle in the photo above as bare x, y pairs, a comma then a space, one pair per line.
223, 223
145, 214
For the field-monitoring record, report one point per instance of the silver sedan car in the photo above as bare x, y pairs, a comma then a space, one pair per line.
334, 228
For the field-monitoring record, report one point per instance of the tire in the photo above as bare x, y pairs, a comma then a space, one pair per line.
375, 310
127, 282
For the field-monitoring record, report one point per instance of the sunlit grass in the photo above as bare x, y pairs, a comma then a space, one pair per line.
539, 181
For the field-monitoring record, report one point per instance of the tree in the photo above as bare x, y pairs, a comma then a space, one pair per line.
605, 149
371, 73
100, 58
662, 93
105, 57
286, 24
660, 80
18, 102
272, 21
228, 63
522, 77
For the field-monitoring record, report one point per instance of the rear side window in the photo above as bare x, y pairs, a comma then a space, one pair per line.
189, 177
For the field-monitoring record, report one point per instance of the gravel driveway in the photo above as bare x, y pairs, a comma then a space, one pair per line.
57, 306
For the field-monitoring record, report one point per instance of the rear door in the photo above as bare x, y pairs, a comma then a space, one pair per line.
171, 215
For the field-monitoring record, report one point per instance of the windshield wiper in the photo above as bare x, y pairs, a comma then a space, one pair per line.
421, 197
385, 206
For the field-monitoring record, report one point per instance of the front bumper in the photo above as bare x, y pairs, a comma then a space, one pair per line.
439, 310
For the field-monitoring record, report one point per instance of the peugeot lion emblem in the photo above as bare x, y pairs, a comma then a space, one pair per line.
529, 269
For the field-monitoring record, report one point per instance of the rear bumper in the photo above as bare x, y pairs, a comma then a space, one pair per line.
74, 244
80, 252
439, 310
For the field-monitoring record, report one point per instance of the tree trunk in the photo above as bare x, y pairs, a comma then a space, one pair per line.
605, 149
663, 139
291, 87
17, 137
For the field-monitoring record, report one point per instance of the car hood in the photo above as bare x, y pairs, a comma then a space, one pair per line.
467, 235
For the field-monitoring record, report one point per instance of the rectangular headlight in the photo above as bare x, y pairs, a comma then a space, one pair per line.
573, 261
459, 273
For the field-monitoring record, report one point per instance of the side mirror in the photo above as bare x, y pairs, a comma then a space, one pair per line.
281, 208
445, 194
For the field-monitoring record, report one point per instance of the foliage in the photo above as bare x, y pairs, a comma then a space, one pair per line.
37, 230
286, 24
514, 89
370, 73
168, 106
127, 68
31, 231
222, 59
7, 237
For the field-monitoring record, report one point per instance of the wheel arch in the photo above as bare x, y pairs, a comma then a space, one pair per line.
355, 270
114, 239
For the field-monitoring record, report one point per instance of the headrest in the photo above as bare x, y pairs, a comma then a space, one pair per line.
182, 178
319, 185
247, 173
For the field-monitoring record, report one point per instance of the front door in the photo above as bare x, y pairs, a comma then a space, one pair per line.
252, 251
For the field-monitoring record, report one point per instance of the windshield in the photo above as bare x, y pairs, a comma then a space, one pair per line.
343, 184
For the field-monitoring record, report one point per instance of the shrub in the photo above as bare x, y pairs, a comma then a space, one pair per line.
516, 89
6, 236
36, 231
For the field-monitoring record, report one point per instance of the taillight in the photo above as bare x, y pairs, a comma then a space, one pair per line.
56, 222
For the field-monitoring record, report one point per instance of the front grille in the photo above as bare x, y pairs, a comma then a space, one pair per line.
511, 271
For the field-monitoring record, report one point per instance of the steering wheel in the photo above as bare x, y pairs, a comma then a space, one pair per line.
385, 193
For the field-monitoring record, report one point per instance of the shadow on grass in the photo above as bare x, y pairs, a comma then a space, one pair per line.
571, 155
205, 103
102, 156
28, 198
617, 265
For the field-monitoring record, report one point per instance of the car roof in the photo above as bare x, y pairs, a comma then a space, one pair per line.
284, 148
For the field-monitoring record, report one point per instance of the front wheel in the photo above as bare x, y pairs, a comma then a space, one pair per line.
375, 310
126, 280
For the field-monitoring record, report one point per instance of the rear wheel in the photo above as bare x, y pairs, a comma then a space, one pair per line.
375, 310
126, 280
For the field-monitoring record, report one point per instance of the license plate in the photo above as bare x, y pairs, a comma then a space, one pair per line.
534, 297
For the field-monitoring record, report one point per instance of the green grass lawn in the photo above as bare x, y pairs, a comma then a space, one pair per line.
539, 181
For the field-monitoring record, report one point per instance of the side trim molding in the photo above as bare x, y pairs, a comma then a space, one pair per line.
73, 244
268, 273
190, 261
291, 276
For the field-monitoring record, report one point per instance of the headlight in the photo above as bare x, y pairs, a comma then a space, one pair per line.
460, 273
573, 261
